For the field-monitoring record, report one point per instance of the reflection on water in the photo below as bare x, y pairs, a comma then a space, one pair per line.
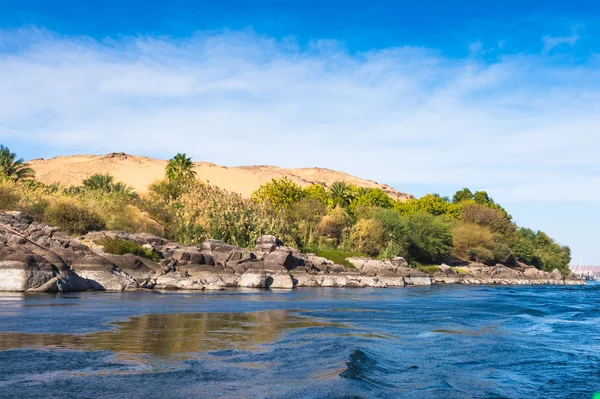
169, 334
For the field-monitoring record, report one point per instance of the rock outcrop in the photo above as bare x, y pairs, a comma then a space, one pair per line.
37, 257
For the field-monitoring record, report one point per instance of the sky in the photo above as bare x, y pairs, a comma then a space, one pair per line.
427, 96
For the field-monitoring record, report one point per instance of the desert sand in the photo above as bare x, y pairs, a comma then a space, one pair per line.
139, 172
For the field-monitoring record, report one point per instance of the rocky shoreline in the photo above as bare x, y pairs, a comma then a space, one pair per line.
38, 258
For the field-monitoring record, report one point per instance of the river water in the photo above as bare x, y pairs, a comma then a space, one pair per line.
430, 342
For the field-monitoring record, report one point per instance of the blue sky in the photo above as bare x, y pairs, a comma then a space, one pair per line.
426, 96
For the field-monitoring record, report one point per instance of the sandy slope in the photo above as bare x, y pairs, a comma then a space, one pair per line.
139, 172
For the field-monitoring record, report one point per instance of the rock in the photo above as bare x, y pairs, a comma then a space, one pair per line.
556, 274
135, 266
279, 258
447, 270
190, 255
281, 280
253, 279
23, 271
267, 244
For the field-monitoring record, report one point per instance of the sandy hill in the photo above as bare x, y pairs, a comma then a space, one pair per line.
140, 172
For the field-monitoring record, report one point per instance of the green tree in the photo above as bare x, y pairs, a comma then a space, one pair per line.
279, 193
430, 203
99, 182
462, 195
180, 167
373, 197
341, 193
106, 183
430, 239
13, 168
367, 237
318, 192
482, 198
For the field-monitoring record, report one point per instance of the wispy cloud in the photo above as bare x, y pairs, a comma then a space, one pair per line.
550, 42
525, 128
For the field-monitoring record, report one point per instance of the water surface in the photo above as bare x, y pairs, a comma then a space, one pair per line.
431, 342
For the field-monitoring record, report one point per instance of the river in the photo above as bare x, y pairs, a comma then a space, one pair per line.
430, 342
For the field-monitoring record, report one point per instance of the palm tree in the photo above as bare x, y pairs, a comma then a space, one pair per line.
99, 182
12, 167
341, 193
180, 167
107, 184
123, 189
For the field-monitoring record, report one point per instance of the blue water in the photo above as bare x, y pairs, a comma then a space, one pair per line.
436, 342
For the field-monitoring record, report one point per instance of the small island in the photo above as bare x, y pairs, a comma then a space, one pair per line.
186, 234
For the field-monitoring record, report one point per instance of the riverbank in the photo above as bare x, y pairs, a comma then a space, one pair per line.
38, 258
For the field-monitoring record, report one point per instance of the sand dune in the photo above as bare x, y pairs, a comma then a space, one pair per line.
139, 172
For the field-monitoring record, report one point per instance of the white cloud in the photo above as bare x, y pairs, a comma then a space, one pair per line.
521, 127
551, 42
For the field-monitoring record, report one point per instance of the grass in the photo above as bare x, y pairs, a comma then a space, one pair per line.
119, 246
429, 269
336, 255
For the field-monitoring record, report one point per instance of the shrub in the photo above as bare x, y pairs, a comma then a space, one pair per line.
429, 269
131, 219
541, 251
334, 224
367, 236
279, 193
8, 198
472, 242
462, 195
431, 203
429, 238
72, 218
336, 255
317, 192
302, 219
119, 246
495, 219
373, 197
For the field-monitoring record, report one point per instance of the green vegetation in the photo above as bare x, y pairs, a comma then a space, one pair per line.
107, 184
430, 269
13, 168
73, 218
180, 168
336, 255
119, 246
335, 221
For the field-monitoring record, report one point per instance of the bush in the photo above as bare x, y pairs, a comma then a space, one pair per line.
472, 242
73, 218
131, 219
8, 198
366, 237
334, 224
373, 197
431, 204
495, 219
429, 238
119, 246
336, 255
541, 251
279, 193
317, 192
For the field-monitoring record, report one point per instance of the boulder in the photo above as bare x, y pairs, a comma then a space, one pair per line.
23, 271
281, 280
253, 278
191, 255
267, 244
